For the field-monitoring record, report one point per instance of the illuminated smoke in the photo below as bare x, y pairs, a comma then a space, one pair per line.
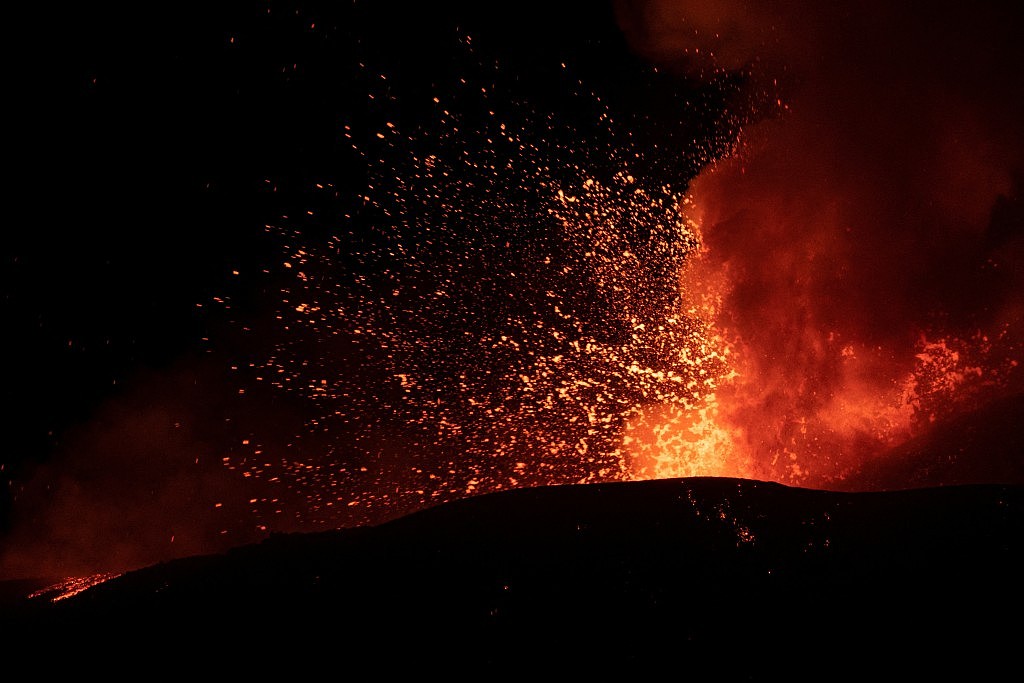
865, 235
140, 482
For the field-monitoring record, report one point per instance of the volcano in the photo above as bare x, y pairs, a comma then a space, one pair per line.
608, 338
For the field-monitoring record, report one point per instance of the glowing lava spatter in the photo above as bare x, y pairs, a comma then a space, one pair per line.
497, 307
504, 303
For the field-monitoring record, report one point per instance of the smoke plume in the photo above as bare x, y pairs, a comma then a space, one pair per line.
864, 237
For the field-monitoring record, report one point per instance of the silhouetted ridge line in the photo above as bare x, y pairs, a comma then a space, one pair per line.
702, 564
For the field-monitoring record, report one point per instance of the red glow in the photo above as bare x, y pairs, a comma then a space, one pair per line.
860, 272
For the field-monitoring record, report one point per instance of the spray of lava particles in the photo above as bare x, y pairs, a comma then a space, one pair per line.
508, 301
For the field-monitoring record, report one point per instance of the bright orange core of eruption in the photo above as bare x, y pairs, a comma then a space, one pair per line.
665, 440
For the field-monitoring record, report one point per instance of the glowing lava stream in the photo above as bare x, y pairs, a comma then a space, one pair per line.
72, 586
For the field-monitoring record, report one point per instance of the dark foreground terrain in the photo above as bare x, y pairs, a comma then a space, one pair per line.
708, 577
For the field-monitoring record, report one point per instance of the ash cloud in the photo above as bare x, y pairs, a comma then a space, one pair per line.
140, 482
879, 197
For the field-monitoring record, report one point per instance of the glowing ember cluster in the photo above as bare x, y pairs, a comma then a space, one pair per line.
497, 308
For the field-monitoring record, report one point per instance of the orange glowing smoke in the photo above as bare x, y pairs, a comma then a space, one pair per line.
863, 241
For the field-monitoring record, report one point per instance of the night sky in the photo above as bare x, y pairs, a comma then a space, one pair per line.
174, 166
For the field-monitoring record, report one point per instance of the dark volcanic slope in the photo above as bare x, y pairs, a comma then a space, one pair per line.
767, 577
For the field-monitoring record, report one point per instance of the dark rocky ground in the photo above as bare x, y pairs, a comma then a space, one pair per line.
733, 578
703, 578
